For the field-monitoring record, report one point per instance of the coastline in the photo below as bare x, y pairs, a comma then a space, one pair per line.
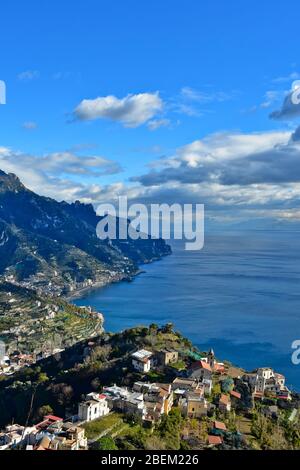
201, 298
82, 291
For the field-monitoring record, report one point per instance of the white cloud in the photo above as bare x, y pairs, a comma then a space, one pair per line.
287, 78
271, 97
60, 162
39, 173
234, 174
29, 125
157, 123
202, 97
29, 75
131, 111
290, 108
229, 170
190, 101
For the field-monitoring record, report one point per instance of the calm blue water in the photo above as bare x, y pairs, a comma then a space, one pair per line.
240, 295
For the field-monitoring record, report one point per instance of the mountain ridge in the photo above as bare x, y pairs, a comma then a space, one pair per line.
53, 247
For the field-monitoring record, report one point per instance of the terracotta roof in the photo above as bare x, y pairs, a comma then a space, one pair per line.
215, 440
224, 399
257, 395
201, 365
53, 418
219, 367
235, 394
205, 365
220, 425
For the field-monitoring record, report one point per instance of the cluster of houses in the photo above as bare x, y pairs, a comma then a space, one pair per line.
265, 380
145, 400
190, 391
144, 361
9, 364
150, 401
50, 434
12, 363
55, 286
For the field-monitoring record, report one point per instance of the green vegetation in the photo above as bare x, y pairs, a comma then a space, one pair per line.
133, 436
169, 429
58, 383
179, 365
105, 424
270, 434
105, 443
80, 369
53, 247
32, 323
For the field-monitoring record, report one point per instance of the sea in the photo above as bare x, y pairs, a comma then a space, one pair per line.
238, 295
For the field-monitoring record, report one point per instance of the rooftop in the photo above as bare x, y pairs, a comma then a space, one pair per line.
183, 380
142, 354
201, 365
219, 425
224, 399
215, 440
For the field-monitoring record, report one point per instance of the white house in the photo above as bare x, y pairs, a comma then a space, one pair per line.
200, 370
141, 360
265, 379
93, 407
14, 434
280, 380
207, 386
120, 398
265, 372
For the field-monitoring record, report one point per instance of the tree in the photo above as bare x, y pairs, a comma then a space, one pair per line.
169, 428
262, 429
42, 377
95, 383
154, 443
106, 443
134, 418
153, 328
292, 434
44, 411
227, 385
216, 390
168, 328
63, 393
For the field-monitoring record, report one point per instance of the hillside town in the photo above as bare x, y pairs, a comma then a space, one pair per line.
34, 326
208, 396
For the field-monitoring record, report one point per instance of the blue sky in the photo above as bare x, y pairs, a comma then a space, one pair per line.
178, 74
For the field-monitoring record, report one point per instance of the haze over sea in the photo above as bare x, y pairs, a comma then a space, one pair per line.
239, 295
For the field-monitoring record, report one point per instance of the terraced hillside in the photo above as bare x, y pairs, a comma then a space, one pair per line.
33, 324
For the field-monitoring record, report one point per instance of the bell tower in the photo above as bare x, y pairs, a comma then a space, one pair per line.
211, 358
